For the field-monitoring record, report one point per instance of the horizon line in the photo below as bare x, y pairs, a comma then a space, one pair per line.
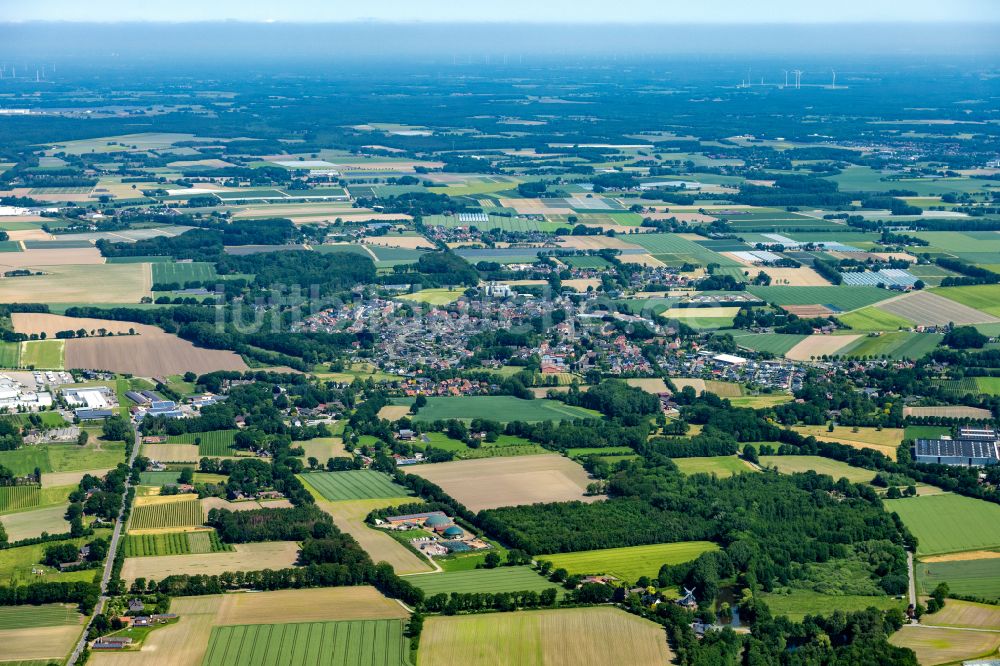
376, 21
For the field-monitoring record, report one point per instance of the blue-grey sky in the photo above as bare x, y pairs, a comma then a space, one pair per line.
582, 11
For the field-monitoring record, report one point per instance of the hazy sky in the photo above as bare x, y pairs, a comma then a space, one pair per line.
584, 11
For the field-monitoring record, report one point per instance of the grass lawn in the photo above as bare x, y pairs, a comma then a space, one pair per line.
818, 464
503, 408
948, 523
631, 562
799, 603
500, 579
761, 401
722, 466
64, 457
433, 296
43, 354
925, 432
16, 563
599, 451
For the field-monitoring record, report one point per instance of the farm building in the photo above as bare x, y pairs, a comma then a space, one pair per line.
85, 414
964, 452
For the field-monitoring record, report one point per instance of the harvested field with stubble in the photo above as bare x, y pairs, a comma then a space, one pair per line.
408, 242
654, 385
925, 308
244, 557
490, 483
949, 412
44, 644
50, 324
569, 637
148, 355
174, 453
209, 503
945, 646
815, 346
393, 412
349, 516
98, 283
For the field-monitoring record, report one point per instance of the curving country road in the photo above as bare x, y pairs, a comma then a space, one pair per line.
109, 562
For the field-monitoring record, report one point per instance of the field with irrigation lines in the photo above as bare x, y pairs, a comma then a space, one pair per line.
354, 484
500, 579
346, 643
979, 577
180, 272
15, 498
159, 515
211, 443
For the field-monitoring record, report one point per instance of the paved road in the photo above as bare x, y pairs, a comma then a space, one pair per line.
108, 563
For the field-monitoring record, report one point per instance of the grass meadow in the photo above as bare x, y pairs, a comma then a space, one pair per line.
354, 485
630, 562
500, 579
948, 523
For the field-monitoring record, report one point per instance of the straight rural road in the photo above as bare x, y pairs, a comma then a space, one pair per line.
913, 582
109, 563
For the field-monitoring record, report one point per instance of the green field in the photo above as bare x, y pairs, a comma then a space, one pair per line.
979, 578
925, 432
501, 408
721, 466
818, 464
799, 603
10, 354
895, 345
354, 484
775, 343
180, 272
501, 579
42, 354
212, 443
345, 643
631, 562
837, 298
599, 451
585, 261
671, 248
441, 296
985, 297
948, 523
174, 543
873, 319
158, 478
186, 513
63, 457
31, 617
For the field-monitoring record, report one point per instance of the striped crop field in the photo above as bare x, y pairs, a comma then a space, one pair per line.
354, 484
346, 643
31, 617
186, 513
211, 443
500, 579
14, 498
174, 543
